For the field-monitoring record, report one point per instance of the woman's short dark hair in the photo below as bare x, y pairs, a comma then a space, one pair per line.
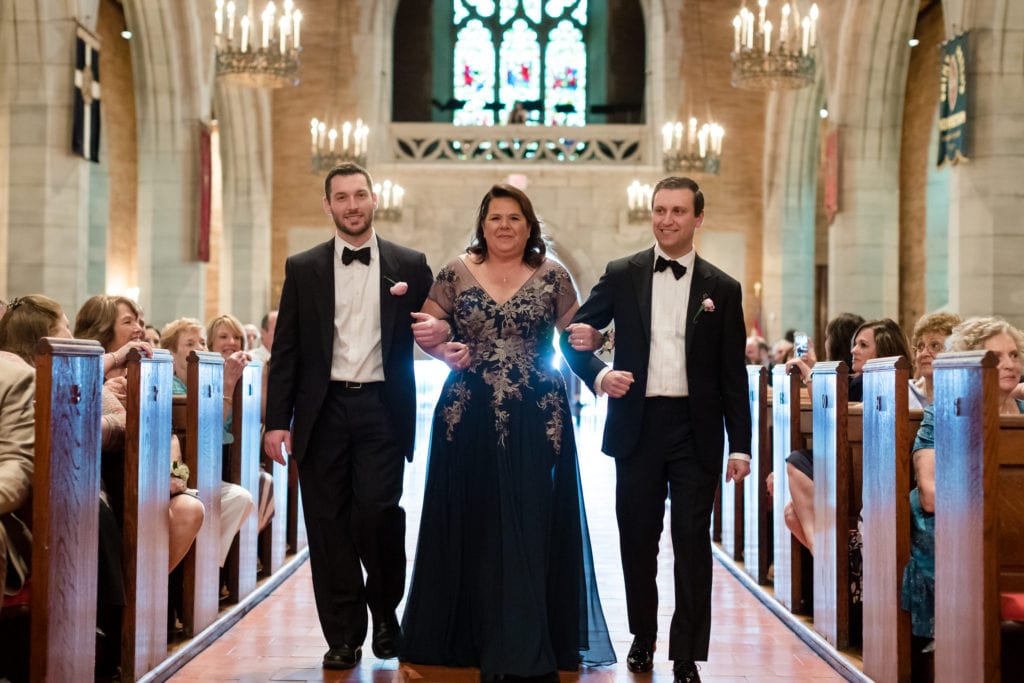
533, 252
839, 333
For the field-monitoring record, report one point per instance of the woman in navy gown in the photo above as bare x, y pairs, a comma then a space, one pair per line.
504, 577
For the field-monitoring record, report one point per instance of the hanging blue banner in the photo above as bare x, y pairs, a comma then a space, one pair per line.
953, 101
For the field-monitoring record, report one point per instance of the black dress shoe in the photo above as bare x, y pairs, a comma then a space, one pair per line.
387, 637
640, 659
344, 657
686, 672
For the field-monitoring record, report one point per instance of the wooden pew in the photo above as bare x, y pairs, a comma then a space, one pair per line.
243, 468
889, 431
757, 556
836, 500
65, 516
147, 460
203, 439
786, 437
273, 540
979, 516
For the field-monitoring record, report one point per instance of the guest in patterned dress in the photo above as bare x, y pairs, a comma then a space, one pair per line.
504, 576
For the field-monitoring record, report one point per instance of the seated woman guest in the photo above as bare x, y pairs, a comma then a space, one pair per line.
228, 337
928, 340
918, 595
875, 339
116, 322
28, 319
181, 337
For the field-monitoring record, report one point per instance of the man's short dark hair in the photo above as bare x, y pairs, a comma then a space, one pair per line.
347, 168
674, 182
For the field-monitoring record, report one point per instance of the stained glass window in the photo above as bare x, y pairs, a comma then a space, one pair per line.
530, 51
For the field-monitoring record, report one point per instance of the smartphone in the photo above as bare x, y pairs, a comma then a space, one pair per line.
800, 344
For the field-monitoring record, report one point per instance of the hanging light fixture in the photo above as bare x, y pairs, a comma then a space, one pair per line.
328, 151
257, 54
693, 146
778, 56
689, 148
337, 142
390, 198
639, 201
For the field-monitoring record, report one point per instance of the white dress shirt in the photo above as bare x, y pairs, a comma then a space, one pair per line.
666, 367
356, 352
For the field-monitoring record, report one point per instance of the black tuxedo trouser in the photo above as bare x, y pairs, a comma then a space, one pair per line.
351, 478
665, 461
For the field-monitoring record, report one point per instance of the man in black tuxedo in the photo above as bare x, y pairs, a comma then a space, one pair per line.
678, 382
341, 400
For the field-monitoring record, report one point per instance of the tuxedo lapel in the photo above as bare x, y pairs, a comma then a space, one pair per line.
641, 270
389, 268
701, 287
323, 275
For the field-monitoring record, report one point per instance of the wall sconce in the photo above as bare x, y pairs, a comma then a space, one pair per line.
389, 200
640, 197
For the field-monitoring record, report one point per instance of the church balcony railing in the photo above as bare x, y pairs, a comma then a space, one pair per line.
593, 144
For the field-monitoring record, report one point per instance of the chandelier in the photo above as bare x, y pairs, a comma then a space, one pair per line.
257, 56
328, 151
389, 201
767, 56
639, 198
693, 149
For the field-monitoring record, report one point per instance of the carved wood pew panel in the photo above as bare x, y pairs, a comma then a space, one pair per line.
147, 460
979, 515
203, 440
244, 469
65, 514
757, 556
273, 540
832, 502
889, 431
786, 437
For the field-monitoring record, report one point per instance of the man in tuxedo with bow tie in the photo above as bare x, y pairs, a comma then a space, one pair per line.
341, 401
678, 383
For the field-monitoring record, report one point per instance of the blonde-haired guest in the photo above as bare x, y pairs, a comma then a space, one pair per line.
1007, 342
181, 337
927, 341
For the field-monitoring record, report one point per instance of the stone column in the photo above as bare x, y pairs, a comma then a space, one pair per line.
245, 150
172, 62
44, 228
866, 103
790, 180
986, 200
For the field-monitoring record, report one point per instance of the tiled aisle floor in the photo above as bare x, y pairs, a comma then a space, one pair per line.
280, 640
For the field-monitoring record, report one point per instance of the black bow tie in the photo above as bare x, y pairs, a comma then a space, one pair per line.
361, 255
678, 269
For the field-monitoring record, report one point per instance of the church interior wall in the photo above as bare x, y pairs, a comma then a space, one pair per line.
764, 214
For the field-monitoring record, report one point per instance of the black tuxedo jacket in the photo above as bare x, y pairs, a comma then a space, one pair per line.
715, 359
300, 366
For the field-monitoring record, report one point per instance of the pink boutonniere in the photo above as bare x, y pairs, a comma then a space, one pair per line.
706, 304
397, 288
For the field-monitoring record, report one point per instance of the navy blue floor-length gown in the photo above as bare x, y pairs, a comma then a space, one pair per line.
504, 576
